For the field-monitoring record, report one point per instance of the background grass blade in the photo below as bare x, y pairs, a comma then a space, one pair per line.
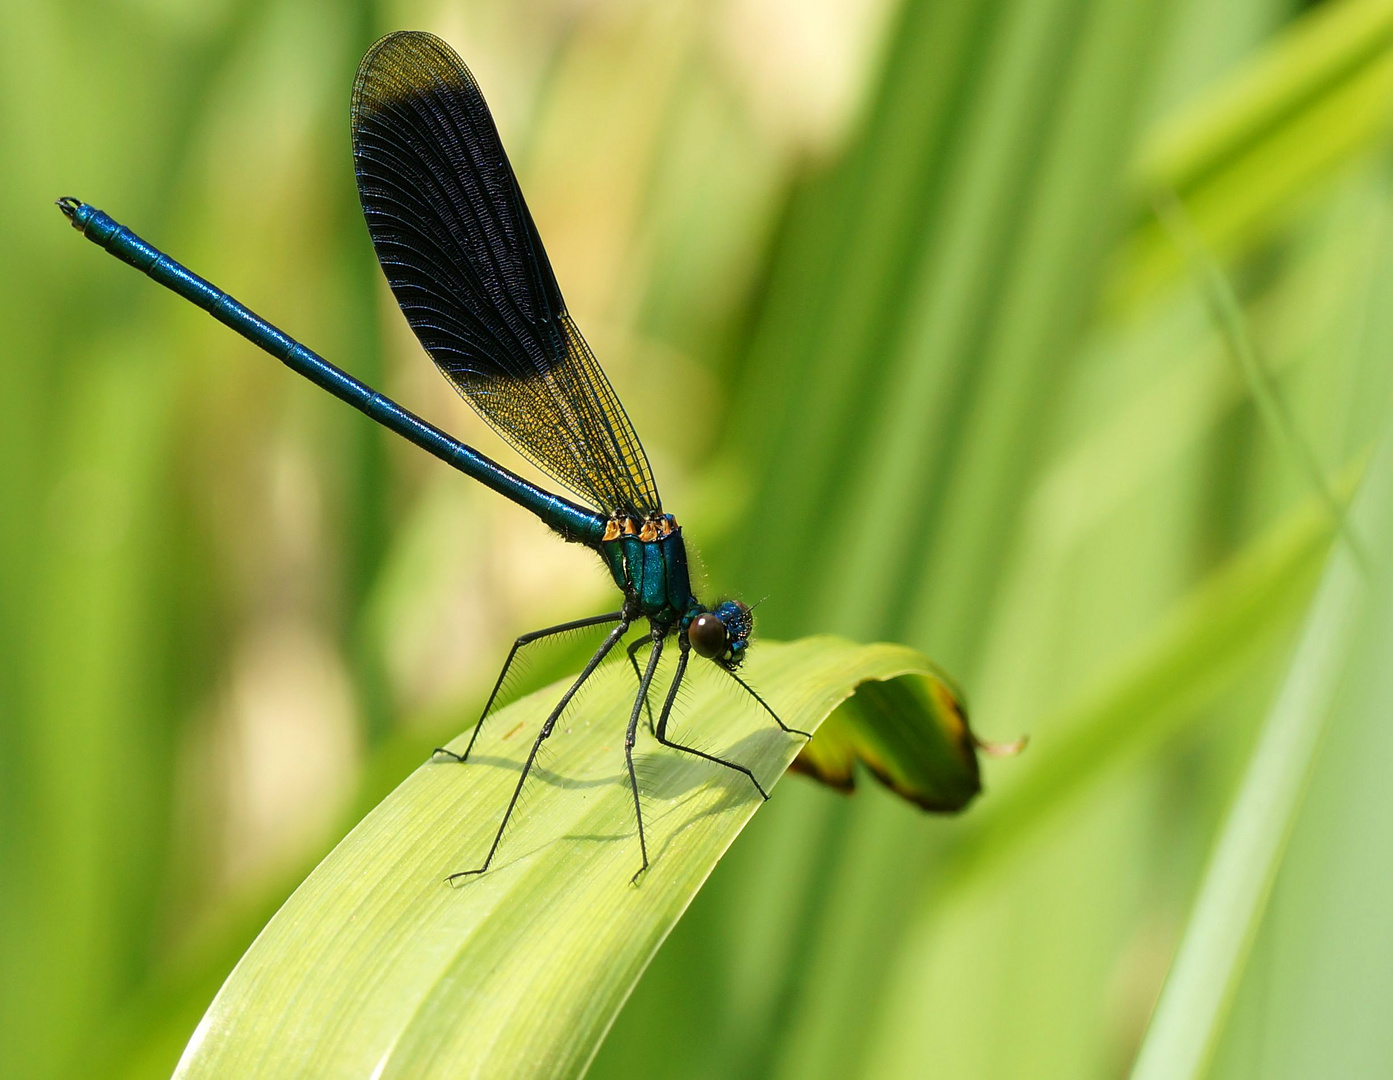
1227, 313
375, 967
1233, 899
1213, 637
1246, 151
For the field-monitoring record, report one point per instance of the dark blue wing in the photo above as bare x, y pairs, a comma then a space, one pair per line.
464, 260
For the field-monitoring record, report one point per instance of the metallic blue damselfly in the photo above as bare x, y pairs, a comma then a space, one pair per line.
464, 260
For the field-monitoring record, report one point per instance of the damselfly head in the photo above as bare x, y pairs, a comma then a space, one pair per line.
722, 634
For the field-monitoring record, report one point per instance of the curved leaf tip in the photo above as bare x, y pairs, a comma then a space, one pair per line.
911, 733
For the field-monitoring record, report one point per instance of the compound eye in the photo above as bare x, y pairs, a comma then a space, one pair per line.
708, 636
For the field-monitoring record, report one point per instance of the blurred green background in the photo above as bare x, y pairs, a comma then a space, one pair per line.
1051, 337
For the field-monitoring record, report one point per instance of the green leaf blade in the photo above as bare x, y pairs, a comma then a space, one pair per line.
374, 967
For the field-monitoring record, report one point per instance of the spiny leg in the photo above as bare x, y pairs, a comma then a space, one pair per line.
600, 653
629, 737
751, 691
638, 674
661, 733
525, 639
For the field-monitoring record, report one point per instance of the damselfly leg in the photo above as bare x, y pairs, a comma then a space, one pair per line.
764, 704
633, 649
684, 652
630, 736
610, 641
525, 639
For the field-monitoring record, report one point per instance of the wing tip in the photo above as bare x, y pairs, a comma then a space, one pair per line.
391, 69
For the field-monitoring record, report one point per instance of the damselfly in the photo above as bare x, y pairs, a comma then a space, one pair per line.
464, 260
